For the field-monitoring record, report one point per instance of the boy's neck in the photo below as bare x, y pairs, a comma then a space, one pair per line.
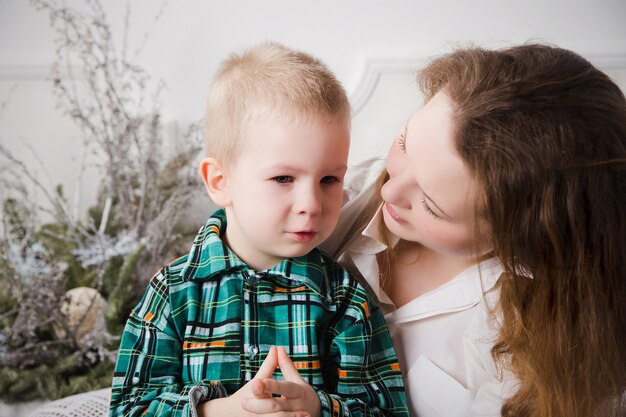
258, 263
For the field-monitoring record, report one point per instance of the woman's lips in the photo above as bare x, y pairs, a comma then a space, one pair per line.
393, 214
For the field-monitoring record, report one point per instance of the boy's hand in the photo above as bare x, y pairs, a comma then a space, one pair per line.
232, 406
297, 397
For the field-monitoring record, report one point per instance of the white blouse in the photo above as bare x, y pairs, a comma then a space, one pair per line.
443, 338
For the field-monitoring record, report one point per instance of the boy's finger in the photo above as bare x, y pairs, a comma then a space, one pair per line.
258, 388
273, 407
269, 365
286, 366
287, 389
263, 406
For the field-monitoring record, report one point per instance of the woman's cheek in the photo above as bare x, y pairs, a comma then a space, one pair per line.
459, 242
450, 239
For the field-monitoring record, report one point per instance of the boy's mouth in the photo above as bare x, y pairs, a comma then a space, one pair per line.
304, 236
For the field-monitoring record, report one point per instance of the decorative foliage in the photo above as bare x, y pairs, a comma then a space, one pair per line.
48, 349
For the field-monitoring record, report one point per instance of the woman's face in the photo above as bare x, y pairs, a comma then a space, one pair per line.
430, 195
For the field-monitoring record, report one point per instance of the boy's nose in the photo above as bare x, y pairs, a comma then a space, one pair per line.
308, 201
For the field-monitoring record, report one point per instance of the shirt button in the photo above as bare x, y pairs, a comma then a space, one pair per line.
253, 351
254, 280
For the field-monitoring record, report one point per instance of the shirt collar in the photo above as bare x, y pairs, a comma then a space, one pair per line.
463, 292
210, 257
373, 241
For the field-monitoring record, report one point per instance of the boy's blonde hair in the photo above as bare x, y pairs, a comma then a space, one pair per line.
268, 77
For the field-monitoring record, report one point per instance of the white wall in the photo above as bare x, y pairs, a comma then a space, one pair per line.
372, 45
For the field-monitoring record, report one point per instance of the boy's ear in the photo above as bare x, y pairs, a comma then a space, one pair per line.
214, 178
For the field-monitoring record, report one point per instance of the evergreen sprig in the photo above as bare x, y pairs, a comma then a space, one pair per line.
113, 246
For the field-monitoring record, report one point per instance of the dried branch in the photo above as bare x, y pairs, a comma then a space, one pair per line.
133, 226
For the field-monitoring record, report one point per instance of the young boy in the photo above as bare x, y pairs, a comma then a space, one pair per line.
201, 340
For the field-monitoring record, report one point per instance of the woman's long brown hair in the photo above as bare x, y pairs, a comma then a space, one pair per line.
543, 133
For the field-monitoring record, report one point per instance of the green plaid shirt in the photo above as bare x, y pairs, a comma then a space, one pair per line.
207, 321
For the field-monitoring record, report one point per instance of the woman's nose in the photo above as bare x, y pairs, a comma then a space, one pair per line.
397, 190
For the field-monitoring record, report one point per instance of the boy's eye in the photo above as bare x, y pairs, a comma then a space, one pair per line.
283, 179
329, 180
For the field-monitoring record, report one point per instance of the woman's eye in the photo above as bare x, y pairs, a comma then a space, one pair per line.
283, 179
402, 141
428, 209
329, 180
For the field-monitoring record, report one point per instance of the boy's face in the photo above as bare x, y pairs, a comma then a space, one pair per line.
285, 188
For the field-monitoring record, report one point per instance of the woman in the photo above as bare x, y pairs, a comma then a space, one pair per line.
495, 240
